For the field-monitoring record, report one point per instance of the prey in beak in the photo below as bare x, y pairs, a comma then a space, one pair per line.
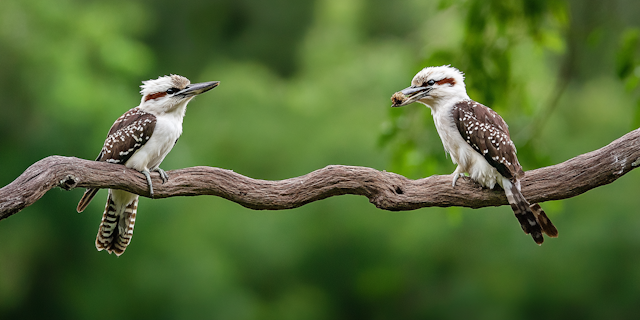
409, 95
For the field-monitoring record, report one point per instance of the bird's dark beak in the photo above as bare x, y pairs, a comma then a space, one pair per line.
198, 88
409, 95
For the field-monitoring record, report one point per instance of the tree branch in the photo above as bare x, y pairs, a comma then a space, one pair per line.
385, 190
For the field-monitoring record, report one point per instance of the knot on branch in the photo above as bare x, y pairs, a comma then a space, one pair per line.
69, 182
386, 190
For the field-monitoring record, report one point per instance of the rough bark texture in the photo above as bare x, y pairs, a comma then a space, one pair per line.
385, 190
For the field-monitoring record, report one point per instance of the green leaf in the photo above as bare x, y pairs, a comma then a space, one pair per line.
626, 55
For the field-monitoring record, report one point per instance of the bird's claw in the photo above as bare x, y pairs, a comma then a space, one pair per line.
163, 174
148, 176
455, 178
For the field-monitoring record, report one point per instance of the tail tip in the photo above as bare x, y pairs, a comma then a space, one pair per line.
547, 226
537, 237
110, 249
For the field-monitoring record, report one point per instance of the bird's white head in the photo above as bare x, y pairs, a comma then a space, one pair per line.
171, 94
433, 86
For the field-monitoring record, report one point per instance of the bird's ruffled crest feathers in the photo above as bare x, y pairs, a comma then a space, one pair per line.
163, 84
437, 74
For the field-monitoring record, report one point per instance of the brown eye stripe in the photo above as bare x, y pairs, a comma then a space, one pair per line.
155, 96
447, 80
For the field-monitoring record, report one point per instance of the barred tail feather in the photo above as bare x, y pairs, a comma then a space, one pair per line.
523, 212
547, 226
86, 199
116, 228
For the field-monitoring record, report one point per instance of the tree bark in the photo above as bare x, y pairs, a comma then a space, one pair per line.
386, 190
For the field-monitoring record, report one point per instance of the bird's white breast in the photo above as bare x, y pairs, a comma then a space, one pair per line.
462, 154
168, 129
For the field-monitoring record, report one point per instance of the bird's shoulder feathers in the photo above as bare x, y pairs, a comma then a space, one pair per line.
128, 134
488, 134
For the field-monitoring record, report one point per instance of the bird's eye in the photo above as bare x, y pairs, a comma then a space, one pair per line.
172, 90
431, 82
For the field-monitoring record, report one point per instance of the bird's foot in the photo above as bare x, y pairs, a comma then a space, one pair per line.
148, 176
456, 176
163, 174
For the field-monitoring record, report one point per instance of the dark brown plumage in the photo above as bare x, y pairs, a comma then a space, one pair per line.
131, 131
488, 134
486, 131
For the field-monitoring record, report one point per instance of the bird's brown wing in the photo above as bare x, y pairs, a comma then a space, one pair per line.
128, 134
488, 134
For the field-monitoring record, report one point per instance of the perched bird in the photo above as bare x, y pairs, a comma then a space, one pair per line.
477, 139
140, 139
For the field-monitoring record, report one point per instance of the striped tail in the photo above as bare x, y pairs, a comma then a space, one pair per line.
547, 226
86, 199
532, 218
116, 228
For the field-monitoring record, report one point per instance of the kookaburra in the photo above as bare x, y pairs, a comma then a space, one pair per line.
140, 139
477, 139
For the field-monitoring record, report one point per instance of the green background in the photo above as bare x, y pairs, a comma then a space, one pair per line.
306, 84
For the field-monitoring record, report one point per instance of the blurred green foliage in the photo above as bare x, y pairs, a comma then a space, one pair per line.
306, 84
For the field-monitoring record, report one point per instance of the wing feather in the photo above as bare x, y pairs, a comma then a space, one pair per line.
488, 134
128, 134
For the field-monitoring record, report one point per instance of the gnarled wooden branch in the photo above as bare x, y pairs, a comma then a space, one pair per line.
385, 190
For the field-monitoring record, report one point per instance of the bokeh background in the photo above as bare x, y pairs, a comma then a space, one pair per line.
306, 84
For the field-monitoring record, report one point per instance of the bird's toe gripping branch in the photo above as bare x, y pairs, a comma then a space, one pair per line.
163, 174
456, 175
147, 175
